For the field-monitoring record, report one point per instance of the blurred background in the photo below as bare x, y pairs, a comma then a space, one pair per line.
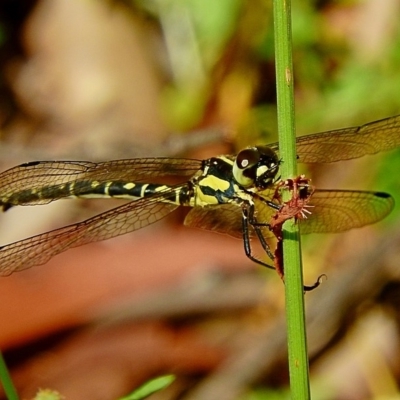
100, 80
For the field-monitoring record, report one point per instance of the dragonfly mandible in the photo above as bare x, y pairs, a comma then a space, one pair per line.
228, 194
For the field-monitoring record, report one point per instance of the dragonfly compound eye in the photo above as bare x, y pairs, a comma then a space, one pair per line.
245, 166
256, 166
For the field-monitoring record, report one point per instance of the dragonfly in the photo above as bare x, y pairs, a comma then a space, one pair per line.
229, 194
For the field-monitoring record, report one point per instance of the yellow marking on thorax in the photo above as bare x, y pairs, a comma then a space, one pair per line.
215, 183
202, 200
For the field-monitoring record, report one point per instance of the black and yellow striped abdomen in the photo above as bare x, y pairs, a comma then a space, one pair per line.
92, 189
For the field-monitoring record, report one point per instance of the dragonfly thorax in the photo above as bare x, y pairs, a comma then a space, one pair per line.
256, 166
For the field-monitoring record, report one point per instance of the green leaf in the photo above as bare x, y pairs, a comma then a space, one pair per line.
148, 388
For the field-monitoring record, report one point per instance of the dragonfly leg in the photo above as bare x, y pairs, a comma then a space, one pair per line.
269, 203
248, 219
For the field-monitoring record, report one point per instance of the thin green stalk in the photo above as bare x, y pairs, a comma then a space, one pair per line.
6, 381
295, 314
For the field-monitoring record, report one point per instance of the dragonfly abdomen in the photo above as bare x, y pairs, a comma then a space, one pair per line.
115, 189
88, 189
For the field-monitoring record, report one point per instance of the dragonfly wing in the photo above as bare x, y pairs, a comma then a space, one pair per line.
226, 219
39, 249
349, 143
38, 175
341, 210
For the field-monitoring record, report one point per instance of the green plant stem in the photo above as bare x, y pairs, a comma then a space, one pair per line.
295, 314
6, 381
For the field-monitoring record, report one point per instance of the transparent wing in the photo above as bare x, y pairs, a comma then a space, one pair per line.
36, 175
331, 211
348, 143
129, 217
227, 219
341, 210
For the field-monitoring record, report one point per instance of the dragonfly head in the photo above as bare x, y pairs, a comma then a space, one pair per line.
256, 166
